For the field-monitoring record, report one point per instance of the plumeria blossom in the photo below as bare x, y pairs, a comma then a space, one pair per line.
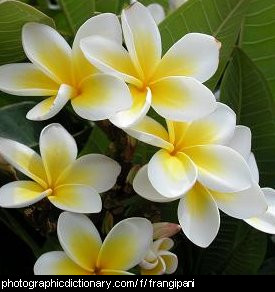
85, 254
157, 11
172, 84
165, 229
175, 4
196, 166
159, 260
70, 184
62, 74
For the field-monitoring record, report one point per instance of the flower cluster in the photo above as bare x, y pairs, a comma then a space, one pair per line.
204, 159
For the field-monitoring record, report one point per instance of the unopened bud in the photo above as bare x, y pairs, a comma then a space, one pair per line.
165, 229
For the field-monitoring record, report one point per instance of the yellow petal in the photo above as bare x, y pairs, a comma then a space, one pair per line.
114, 272
57, 263
26, 80
79, 238
158, 270
126, 244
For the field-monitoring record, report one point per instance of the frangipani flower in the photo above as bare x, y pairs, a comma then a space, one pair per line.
201, 170
172, 84
159, 260
85, 254
69, 183
165, 229
157, 11
64, 74
175, 4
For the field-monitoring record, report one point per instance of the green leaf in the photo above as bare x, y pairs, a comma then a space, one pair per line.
246, 91
258, 40
163, 3
114, 6
13, 15
77, 12
268, 267
220, 18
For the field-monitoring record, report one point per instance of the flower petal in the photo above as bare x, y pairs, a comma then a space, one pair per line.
79, 238
58, 150
241, 141
182, 98
114, 272
266, 221
110, 57
162, 244
142, 38
195, 55
157, 12
101, 97
144, 188
24, 159
151, 132
253, 167
126, 244
20, 194
140, 107
76, 198
216, 128
51, 106
243, 204
95, 170
48, 50
26, 80
199, 216
171, 175
158, 270
220, 168
57, 263
171, 261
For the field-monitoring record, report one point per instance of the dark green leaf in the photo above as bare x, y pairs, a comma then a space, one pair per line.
258, 39
268, 267
246, 91
114, 6
220, 18
13, 15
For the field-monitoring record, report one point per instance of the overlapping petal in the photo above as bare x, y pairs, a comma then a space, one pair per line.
126, 244
101, 96
172, 175
179, 98
199, 216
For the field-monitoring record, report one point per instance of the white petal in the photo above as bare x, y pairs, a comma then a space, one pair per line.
220, 168
58, 150
141, 105
195, 55
171, 261
199, 216
144, 188
24, 159
51, 106
266, 222
243, 204
142, 38
157, 12
126, 244
253, 167
171, 175
76, 198
151, 132
79, 238
95, 170
216, 128
20, 194
26, 80
182, 98
110, 57
48, 50
57, 263
102, 96
159, 269
241, 141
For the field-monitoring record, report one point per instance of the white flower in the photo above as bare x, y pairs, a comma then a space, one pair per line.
159, 260
175, 4
85, 253
172, 84
64, 74
196, 166
157, 11
70, 184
